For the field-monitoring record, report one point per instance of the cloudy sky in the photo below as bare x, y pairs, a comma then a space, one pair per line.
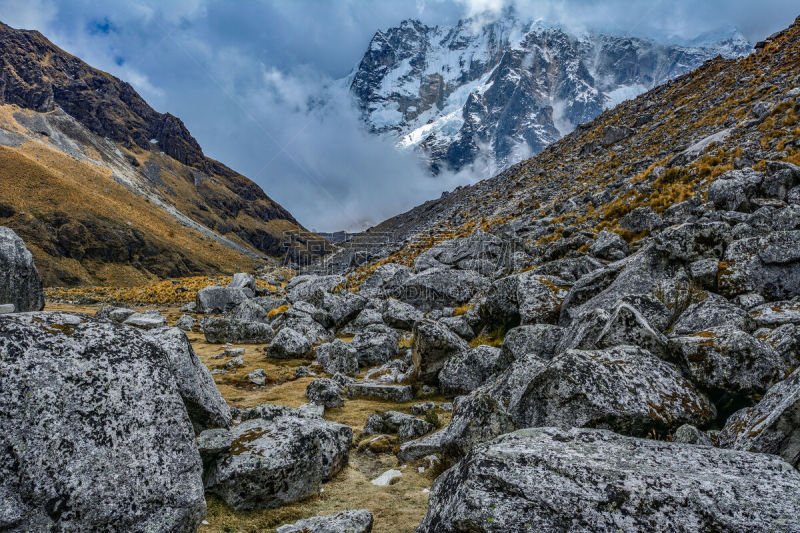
246, 78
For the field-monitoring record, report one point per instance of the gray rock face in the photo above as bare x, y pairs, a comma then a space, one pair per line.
434, 344
204, 403
625, 389
627, 326
539, 339
641, 219
242, 280
391, 393
20, 283
104, 397
375, 348
343, 307
289, 344
609, 245
694, 241
401, 315
730, 360
250, 311
115, 314
387, 280
770, 426
257, 377
593, 480
526, 298
734, 189
468, 370
479, 251
337, 356
768, 265
359, 521
712, 312
436, 288
311, 288
146, 321
324, 391
186, 323
405, 426
221, 330
220, 299
777, 313
688, 434
278, 461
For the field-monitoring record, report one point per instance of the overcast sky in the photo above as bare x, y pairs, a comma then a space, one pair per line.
242, 76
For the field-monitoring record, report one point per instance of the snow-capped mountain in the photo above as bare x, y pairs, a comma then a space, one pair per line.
492, 94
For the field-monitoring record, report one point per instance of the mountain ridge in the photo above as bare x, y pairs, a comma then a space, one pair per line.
493, 94
55, 99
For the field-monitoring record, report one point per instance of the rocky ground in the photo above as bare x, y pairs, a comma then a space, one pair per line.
625, 360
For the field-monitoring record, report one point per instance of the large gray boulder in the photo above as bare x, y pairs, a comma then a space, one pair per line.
488, 411
526, 298
20, 283
625, 389
311, 288
733, 190
220, 299
406, 426
324, 391
777, 313
628, 326
572, 480
434, 344
204, 403
768, 265
375, 347
436, 288
90, 412
243, 280
146, 321
342, 307
337, 356
466, 371
726, 359
219, 330
645, 272
480, 251
250, 311
713, 311
401, 315
770, 426
641, 219
359, 521
273, 462
289, 344
386, 280
609, 245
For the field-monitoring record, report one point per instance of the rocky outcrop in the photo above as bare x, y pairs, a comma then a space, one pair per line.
359, 521
548, 479
104, 396
434, 345
626, 389
20, 284
221, 299
204, 403
770, 426
271, 462
222, 330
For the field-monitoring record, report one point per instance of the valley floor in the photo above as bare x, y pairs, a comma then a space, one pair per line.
397, 508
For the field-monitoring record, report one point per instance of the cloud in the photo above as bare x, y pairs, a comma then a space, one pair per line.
256, 82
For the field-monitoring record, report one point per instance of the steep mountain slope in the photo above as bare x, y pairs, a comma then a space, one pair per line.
496, 93
104, 188
660, 151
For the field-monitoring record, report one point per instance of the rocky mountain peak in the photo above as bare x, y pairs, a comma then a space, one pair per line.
490, 94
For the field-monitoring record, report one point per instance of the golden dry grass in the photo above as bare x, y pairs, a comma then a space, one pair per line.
170, 291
